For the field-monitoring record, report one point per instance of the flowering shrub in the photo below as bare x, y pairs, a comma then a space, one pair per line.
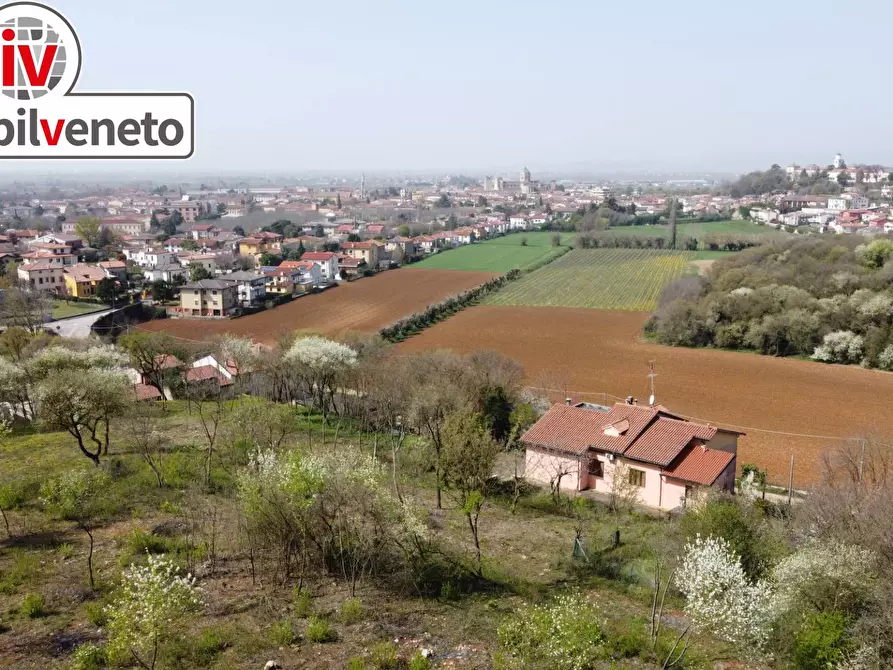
720, 599
564, 635
825, 577
150, 603
842, 346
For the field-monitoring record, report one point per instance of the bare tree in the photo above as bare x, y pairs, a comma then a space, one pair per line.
25, 308
142, 436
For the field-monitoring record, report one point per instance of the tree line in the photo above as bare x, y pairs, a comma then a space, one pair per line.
826, 297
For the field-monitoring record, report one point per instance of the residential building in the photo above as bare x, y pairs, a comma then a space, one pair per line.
207, 261
43, 275
254, 246
327, 262
668, 459
208, 297
837, 204
190, 210
171, 273
202, 231
82, 280
114, 270
370, 252
308, 271
251, 287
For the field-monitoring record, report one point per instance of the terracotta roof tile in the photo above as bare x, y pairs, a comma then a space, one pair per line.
665, 438
700, 465
146, 392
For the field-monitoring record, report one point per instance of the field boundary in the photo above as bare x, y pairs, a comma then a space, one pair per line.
419, 321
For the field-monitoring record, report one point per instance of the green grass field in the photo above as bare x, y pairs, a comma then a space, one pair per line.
498, 255
627, 279
700, 230
63, 309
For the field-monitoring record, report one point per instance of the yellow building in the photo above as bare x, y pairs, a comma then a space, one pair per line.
81, 280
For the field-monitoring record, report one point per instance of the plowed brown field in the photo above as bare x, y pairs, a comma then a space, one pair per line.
596, 351
364, 305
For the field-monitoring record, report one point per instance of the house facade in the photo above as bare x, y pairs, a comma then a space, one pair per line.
327, 262
664, 458
208, 297
251, 288
82, 280
43, 275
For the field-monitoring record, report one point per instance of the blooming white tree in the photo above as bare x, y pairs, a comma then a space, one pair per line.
825, 577
842, 346
318, 363
149, 606
885, 358
719, 597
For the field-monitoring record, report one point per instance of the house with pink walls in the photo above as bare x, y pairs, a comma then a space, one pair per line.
667, 458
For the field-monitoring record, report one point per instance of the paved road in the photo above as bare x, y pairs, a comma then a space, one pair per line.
77, 326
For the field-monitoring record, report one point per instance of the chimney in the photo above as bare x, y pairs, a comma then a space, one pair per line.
629, 400
569, 401
635, 401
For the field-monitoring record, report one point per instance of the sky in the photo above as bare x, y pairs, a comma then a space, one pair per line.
492, 85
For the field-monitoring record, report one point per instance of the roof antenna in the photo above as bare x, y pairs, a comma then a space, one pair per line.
651, 375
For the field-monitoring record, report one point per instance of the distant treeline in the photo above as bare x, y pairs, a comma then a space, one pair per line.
713, 242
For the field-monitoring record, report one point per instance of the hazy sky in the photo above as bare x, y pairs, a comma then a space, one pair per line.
492, 84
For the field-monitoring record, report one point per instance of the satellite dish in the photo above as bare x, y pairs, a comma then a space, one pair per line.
651, 400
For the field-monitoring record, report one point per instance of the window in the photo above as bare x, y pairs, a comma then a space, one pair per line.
637, 477
595, 468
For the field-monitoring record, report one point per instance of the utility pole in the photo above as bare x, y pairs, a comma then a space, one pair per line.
652, 374
791, 482
861, 462
673, 224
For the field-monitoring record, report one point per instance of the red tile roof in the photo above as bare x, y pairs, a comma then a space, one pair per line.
146, 392
204, 373
700, 465
646, 434
665, 438
317, 256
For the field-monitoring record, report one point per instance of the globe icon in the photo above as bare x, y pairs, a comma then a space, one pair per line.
37, 35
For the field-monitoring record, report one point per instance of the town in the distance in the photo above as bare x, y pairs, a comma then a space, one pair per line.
254, 244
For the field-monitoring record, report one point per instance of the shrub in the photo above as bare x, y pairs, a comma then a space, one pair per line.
357, 663
65, 551
140, 542
34, 606
302, 604
419, 662
565, 635
320, 630
351, 610
740, 525
821, 642
96, 613
89, 657
282, 633
383, 656
209, 643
